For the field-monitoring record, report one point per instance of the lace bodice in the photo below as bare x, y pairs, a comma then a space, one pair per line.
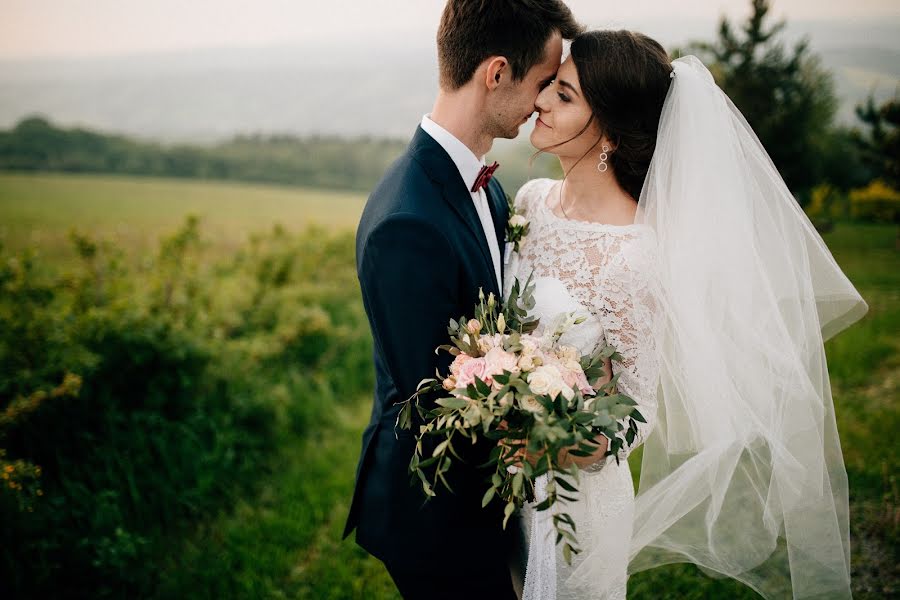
605, 273
608, 270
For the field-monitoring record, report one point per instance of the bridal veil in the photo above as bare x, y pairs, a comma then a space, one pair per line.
743, 474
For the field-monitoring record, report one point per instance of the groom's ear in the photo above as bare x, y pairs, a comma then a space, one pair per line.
497, 69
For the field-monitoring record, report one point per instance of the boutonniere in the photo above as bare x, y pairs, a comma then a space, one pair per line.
516, 229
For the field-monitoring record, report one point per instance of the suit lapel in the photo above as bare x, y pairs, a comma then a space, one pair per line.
441, 168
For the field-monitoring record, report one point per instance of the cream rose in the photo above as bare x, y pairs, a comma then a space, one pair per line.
568, 353
531, 404
544, 379
529, 345
548, 380
518, 221
526, 363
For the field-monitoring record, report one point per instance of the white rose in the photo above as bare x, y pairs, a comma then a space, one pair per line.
529, 345
526, 362
518, 221
567, 353
572, 365
544, 379
548, 380
531, 404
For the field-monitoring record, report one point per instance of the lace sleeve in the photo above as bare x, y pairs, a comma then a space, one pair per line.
631, 319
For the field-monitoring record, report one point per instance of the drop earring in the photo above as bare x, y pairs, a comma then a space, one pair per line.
604, 156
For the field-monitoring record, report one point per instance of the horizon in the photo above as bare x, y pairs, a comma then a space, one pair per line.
46, 30
217, 88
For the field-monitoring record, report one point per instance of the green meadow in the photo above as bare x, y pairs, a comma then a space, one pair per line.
225, 379
133, 212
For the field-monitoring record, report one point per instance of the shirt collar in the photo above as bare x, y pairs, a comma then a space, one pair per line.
468, 165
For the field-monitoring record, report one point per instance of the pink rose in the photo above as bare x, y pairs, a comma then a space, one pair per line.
577, 379
470, 369
474, 326
458, 362
498, 360
585, 386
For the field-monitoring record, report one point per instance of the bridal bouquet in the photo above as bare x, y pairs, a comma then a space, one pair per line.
528, 393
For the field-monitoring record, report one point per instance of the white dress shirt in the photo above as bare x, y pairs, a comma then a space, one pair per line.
468, 166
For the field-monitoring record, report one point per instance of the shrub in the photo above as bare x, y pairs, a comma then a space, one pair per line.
875, 203
137, 399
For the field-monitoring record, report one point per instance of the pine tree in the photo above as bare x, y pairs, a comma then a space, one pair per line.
880, 146
785, 94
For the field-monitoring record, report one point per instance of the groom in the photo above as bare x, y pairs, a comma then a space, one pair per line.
432, 234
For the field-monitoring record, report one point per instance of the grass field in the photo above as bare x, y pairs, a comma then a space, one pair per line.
285, 541
132, 212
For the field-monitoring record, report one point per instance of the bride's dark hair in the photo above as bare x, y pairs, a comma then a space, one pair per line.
625, 77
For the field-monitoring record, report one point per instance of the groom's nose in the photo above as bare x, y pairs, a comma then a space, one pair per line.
540, 103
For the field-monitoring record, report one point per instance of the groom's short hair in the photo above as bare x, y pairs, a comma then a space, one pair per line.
473, 30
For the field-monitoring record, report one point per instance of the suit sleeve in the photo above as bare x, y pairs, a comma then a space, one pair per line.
408, 275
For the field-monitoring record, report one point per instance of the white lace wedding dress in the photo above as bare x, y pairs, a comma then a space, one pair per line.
603, 272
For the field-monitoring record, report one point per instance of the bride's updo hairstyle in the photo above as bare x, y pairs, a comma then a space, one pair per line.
624, 76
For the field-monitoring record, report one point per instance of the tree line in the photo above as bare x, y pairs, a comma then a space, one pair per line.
36, 144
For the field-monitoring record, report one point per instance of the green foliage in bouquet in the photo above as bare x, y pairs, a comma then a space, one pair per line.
525, 393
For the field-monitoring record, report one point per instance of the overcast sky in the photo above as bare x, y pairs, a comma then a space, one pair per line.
80, 28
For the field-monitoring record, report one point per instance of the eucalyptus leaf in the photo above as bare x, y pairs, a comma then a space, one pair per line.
565, 484
488, 495
440, 448
454, 403
507, 512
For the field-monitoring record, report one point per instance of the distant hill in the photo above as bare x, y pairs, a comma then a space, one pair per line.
330, 162
35, 144
212, 95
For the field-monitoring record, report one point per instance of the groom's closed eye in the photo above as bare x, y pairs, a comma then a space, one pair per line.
547, 82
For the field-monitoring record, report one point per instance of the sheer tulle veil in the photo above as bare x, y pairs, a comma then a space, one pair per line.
743, 474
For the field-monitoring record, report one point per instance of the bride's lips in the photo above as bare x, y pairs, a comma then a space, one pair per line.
539, 122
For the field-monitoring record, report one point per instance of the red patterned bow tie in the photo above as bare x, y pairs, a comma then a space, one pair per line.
484, 175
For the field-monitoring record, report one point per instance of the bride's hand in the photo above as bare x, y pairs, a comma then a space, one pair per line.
517, 449
566, 459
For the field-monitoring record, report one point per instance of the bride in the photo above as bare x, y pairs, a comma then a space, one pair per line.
674, 235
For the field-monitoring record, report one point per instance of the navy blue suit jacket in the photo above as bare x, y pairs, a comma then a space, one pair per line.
421, 257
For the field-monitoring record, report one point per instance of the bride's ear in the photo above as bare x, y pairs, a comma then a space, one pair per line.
612, 144
497, 69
